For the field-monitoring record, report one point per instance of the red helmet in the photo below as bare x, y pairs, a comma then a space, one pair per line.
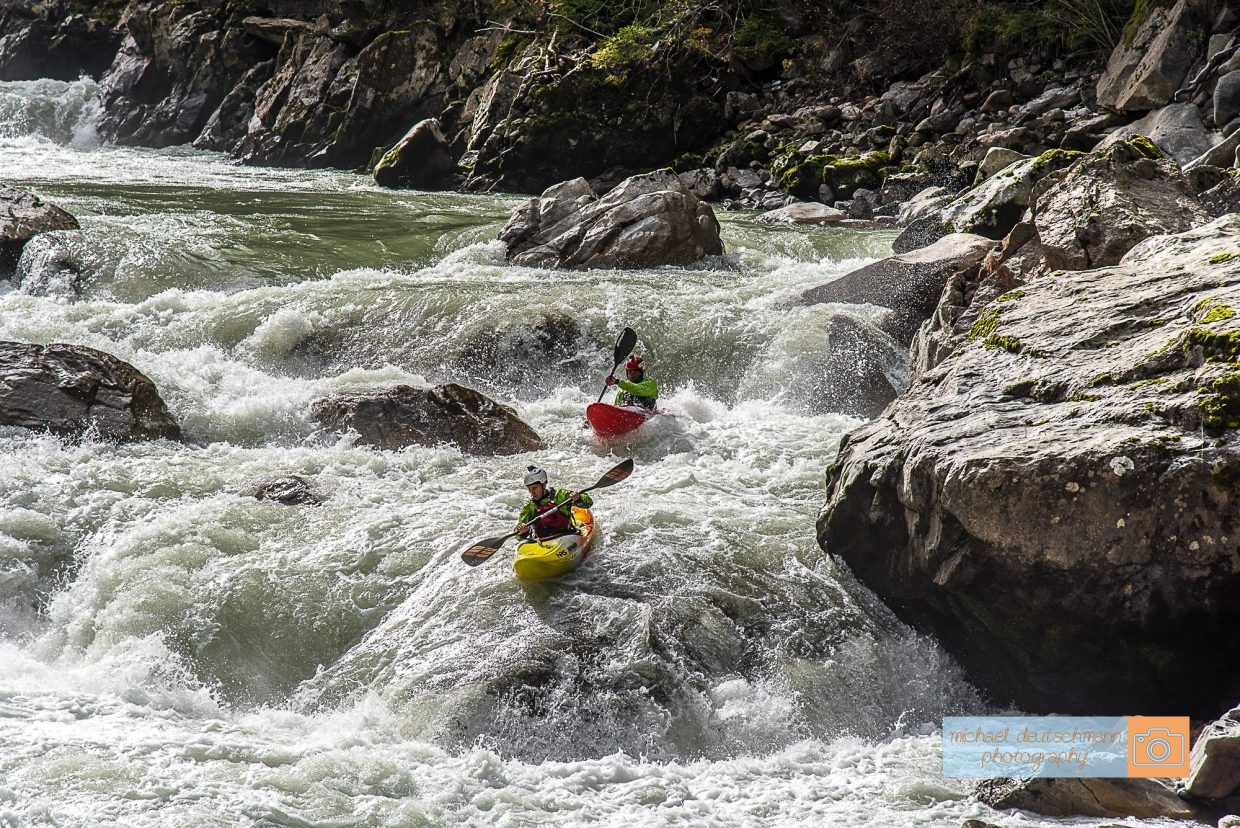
634, 364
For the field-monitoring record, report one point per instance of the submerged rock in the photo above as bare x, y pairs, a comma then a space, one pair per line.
1055, 497
406, 416
1067, 797
648, 220
289, 490
421, 159
22, 217
70, 389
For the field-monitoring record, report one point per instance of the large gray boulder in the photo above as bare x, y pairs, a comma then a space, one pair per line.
22, 217
1145, 74
71, 389
1055, 499
648, 220
1176, 129
990, 209
1215, 761
1097, 210
1113, 798
908, 283
406, 416
421, 159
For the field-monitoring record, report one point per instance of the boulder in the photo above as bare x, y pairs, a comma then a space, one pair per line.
1145, 74
1094, 212
228, 123
1215, 761
1068, 797
997, 101
909, 283
289, 490
925, 203
803, 212
1227, 98
1176, 129
71, 389
1055, 499
405, 416
1222, 154
22, 217
1222, 198
421, 160
991, 209
996, 159
648, 220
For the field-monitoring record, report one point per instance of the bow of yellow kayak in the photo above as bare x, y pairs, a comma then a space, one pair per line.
538, 560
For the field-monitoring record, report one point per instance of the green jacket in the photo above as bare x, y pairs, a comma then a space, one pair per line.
559, 496
644, 393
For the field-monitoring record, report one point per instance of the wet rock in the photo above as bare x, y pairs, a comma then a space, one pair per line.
1094, 212
990, 209
1215, 760
804, 212
909, 283
925, 203
1177, 130
22, 217
406, 416
71, 389
646, 221
704, 183
421, 159
1146, 74
853, 374
228, 124
42, 46
1042, 499
1066, 797
289, 490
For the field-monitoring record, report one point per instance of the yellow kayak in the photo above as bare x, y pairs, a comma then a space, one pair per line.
536, 560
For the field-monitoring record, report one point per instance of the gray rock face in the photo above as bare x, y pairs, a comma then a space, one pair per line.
1114, 798
405, 416
996, 159
1042, 499
909, 283
421, 159
1146, 75
1177, 130
1215, 760
1094, 212
1227, 98
22, 217
69, 389
646, 221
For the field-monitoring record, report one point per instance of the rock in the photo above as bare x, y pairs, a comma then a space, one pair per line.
1094, 212
1067, 797
977, 823
1222, 198
71, 389
420, 160
227, 125
1215, 761
289, 490
1014, 138
1059, 98
909, 283
863, 205
803, 212
50, 46
1085, 133
22, 217
1146, 74
990, 209
924, 203
1203, 178
404, 416
648, 220
1222, 154
704, 183
1227, 98
1176, 129
843, 174
274, 29
997, 101
1042, 501
997, 158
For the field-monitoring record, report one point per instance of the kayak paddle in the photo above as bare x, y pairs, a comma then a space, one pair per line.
482, 551
624, 347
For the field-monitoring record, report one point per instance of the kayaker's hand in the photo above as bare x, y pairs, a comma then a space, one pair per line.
610, 381
574, 497
523, 528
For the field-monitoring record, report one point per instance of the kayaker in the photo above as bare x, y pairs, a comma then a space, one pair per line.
636, 390
549, 511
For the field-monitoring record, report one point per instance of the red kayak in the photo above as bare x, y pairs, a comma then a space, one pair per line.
610, 421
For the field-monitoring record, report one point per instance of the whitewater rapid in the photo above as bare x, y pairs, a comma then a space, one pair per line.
178, 653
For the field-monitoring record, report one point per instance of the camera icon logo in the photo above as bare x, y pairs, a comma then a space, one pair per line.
1157, 746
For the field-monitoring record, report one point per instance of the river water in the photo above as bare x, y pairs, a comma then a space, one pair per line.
174, 652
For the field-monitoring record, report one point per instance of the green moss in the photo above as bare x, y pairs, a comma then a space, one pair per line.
1220, 403
1216, 347
1211, 310
1102, 379
1053, 159
504, 53
985, 324
761, 39
1223, 258
1011, 296
1024, 388
1141, 12
841, 173
1006, 343
629, 46
1138, 146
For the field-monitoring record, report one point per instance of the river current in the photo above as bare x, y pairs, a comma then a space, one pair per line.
174, 652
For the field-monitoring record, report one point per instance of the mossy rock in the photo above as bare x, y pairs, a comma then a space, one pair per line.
843, 174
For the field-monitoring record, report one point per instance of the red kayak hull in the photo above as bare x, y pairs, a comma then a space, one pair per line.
609, 421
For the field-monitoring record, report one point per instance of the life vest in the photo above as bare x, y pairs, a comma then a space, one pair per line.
549, 519
625, 398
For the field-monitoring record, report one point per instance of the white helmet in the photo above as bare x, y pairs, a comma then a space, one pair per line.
535, 475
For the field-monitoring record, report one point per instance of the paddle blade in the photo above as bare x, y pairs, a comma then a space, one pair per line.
619, 473
624, 344
482, 551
